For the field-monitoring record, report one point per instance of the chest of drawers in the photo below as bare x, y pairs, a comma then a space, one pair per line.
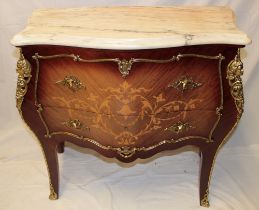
129, 82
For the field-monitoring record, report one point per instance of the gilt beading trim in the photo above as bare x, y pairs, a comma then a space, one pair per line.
126, 151
124, 65
234, 72
24, 77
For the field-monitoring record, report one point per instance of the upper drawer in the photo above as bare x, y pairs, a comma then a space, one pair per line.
182, 82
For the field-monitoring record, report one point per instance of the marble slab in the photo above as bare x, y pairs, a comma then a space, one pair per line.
131, 27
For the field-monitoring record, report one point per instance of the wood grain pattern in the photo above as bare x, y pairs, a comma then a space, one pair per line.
105, 86
134, 131
53, 96
58, 104
124, 112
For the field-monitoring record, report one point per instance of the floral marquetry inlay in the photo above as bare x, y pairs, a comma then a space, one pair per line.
140, 81
149, 114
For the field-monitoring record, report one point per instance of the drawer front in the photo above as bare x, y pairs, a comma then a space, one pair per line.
187, 83
130, 131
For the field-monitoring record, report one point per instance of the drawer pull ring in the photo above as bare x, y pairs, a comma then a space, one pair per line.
72, 83
185, 83
76, 124
179, 127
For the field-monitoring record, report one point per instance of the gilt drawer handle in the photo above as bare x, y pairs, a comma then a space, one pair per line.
76, 124
72, 83
184, 83
179, 127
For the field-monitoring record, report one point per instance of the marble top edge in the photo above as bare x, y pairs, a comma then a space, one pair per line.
130, 44
214, 25
132, 7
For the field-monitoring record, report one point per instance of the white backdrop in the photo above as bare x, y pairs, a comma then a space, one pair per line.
90, 182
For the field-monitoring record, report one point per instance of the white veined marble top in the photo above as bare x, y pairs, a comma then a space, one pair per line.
131, 27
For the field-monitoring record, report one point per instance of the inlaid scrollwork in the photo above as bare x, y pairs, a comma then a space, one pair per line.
185, 83
24, 76
150, 111
234, 73
72, 83
125, 93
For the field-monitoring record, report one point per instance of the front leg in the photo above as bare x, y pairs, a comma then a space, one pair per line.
50, 154
24, 104
208, 156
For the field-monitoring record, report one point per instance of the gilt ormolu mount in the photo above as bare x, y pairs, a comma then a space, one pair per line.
97, 88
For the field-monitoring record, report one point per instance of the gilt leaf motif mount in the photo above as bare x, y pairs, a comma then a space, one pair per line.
24, 76
125, 93
72, 83
234, 73
185, 83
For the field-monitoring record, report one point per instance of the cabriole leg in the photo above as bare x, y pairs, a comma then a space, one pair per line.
207, 161
50, 153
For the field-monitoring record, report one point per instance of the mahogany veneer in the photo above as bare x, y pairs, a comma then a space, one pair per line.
131, 104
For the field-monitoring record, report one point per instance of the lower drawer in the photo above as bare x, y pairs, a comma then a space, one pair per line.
137, 131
